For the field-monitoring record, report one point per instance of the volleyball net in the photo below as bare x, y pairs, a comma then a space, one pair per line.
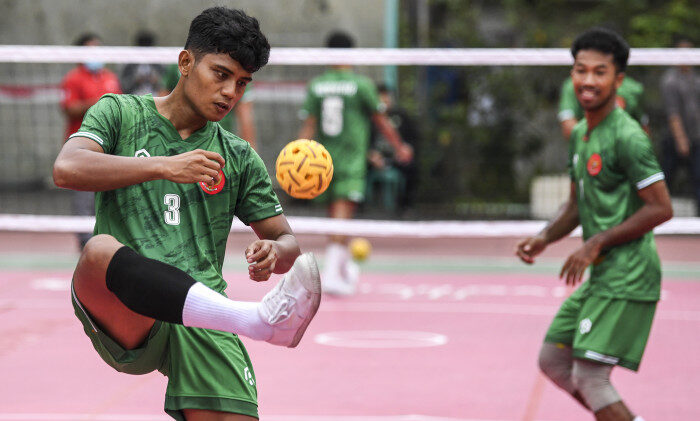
490, 159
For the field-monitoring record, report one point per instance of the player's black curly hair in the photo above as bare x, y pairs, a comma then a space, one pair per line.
339, 39
230, 31
605, 41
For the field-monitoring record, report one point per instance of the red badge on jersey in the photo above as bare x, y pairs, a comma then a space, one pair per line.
215, 188
595, 164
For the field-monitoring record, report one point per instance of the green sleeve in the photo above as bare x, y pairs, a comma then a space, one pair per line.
632, 92
637, 158
311, 104
370, 98
102, 123
256, 199
568, 104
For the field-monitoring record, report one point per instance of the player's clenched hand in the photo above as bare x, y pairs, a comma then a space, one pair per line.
193, 167
530, 247
261, 256
575, 266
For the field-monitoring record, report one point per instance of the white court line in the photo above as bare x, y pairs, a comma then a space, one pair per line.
389, 307
148, 417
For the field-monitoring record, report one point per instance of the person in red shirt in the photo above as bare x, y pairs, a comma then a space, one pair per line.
82, 87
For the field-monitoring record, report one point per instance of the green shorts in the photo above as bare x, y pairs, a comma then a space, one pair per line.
206, 369
344, 188
606, 330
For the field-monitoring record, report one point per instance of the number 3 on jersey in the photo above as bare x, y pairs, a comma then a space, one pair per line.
172, 215
332, 115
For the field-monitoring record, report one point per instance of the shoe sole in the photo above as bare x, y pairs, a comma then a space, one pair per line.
312, 284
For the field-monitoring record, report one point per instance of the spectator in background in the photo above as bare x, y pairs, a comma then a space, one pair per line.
680, 87
629, 98
143, 78
339, 109
382, 157
242, 123
82, 87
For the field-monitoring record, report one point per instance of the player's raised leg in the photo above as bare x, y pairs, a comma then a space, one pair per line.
125, 292
89, 285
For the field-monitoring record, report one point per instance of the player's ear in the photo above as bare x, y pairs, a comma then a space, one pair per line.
185, 62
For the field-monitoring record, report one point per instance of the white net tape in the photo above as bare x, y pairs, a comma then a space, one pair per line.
356, 227
357, 56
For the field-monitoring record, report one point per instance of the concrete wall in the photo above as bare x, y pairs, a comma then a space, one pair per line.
297, 23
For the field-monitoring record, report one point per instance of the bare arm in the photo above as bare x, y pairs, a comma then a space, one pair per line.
308, 128
246, 122
82, 165
567, 126
275, 251
77, 109
565, 221
679, 135
655, 211
404, 152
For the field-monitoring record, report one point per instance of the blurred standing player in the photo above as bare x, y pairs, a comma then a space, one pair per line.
243, 124
143, 78
381, 154
680, 87
618, 195
629, 98
148, 288
339, 108
82, 87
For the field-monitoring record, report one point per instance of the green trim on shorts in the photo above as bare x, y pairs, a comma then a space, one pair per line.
175, 404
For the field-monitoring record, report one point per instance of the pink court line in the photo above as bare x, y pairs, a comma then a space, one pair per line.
148, 417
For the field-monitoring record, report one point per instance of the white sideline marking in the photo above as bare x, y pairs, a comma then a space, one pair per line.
380, 339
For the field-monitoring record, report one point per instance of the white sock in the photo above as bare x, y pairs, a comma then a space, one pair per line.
208, 309
638, 418
333, 259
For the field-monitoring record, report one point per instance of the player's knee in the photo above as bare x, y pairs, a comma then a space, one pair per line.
554, 363
592, 380
97, 253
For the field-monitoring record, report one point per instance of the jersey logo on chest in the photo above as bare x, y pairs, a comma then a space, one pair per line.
142, 153
595, 164
215, 188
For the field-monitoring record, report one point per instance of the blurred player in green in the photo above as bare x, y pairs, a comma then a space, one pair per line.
618, 195
148, 288
339, 108
629, 98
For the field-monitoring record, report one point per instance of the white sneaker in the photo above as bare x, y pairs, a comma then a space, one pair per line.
293, 302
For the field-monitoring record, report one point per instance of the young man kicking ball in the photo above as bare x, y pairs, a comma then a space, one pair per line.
148, 287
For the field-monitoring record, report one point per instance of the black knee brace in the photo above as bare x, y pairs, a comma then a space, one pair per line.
148, 287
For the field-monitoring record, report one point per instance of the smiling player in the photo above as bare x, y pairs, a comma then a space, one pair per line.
618, 195
148, 288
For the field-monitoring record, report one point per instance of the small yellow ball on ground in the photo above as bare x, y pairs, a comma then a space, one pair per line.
360, 248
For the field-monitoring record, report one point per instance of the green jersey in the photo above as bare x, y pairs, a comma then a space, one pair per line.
185, 225
343, 103
609, 165
629, 97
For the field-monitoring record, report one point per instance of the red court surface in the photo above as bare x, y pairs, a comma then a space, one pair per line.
440, 331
